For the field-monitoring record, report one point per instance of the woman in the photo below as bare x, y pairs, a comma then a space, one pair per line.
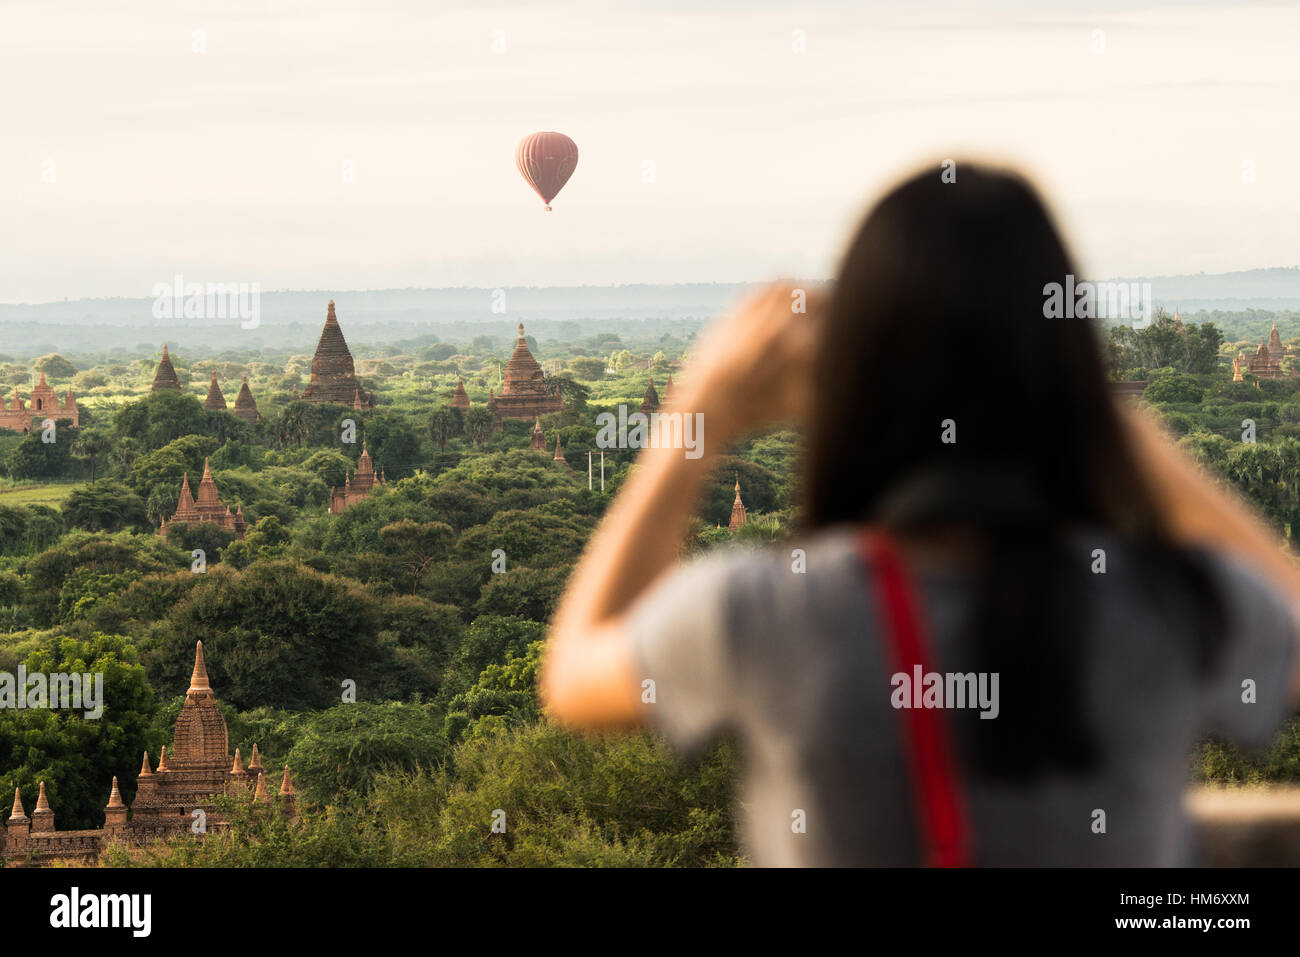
977, 509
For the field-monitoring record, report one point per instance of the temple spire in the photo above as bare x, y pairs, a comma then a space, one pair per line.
115, 796
17, 813
43, 816
199, 679
738, 515
286, 783
144, 766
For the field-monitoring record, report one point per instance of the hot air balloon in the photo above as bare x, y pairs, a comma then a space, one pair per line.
546, 161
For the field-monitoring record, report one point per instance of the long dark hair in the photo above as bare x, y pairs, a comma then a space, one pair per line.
936, 330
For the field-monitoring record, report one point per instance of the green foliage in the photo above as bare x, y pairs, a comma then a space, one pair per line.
34, 458
340, 752
55, 366
76, 756
1174, 388
597, 801
28, 529
1220, 763
161, 418
278, 633
106, 507
1164, 343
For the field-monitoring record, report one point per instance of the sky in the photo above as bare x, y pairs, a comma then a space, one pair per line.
718, 141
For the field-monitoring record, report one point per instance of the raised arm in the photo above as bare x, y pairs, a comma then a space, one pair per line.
751, 369
1201, 512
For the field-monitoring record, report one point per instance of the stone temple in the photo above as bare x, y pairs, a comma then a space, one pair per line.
199, 769
164, 377
206, 508
44, 404
524, 394
333, 375
355, 487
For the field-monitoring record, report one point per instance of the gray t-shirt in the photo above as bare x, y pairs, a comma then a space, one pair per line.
794, 666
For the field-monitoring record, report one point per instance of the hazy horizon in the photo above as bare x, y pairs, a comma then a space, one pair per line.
132, 158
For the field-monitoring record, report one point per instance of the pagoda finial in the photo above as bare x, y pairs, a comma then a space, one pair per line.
115, 796
42, 802
18, 811
199, 679
286, 783
144, 766
329, 314
162, 759
261, 794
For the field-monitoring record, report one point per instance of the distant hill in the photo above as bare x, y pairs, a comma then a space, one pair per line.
291, 320
1269, 289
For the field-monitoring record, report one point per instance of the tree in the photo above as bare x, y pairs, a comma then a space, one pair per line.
55, 366
479, 423
393, 444
416, 544
340, 752
76, 757
106, 507
572, 392
161, 417
440, 352
444, 424
91, 445
1203, 348
1174, 388
34, 458
277, 633
588, 369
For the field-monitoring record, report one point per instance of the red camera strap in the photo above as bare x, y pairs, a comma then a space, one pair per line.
941, 807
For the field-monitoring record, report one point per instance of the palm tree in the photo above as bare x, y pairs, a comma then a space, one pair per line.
479, 423
123, 454
293, 424
89, 445
444, 423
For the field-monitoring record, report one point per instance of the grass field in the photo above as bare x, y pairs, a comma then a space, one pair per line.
52, 493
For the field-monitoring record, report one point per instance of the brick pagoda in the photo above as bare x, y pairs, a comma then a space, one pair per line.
524, 394
333, 374
355, 487
199, 769
164, 378
44, 404
207, 508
